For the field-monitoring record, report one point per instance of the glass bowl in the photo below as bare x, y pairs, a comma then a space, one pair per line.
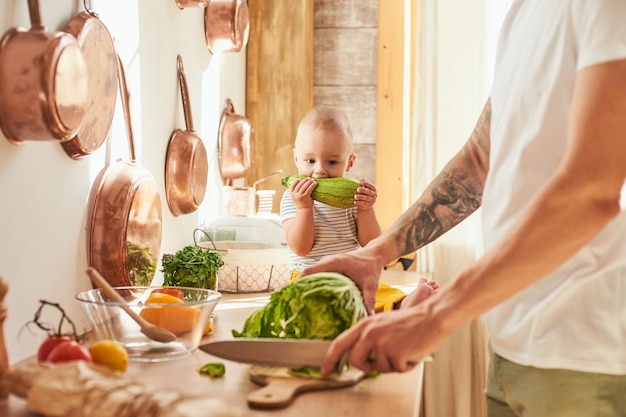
184, 311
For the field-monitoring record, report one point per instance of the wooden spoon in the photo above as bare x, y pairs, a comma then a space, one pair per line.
154, 332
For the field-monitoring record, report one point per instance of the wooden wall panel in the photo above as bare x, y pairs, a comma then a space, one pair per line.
359, 103
345, 56
279, 88
346, 13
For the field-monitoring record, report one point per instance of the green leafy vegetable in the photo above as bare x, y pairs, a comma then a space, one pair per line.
191, 266
213, 369
319, 306
315, 373
141, 264
311, 372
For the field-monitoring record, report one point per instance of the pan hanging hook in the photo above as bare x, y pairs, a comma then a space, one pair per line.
89, 8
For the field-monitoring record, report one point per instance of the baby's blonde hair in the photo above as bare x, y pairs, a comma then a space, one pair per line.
327, 119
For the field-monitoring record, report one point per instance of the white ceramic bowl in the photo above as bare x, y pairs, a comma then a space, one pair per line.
187, 319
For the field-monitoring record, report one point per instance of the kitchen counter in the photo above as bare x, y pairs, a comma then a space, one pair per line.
387, 394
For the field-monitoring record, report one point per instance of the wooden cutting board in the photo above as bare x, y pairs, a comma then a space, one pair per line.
281, 387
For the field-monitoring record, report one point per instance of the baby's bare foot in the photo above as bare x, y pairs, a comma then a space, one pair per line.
425, 288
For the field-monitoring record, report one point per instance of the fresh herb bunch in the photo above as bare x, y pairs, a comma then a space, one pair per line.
191, 266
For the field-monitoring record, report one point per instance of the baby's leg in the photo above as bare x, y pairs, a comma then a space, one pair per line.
425, 288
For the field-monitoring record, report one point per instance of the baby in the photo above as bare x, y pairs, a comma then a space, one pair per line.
324, 149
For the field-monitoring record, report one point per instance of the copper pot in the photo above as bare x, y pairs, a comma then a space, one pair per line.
99, 52
235, 144
191, 3
125, 223
226, 25
44, 83
186, 163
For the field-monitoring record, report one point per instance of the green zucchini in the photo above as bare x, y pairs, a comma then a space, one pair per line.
336, 192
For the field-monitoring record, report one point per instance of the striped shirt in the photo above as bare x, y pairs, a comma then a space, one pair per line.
335, 231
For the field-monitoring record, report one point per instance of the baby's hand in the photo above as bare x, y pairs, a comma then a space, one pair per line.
366, 196
301, 190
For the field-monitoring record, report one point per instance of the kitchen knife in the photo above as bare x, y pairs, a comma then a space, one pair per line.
290, 353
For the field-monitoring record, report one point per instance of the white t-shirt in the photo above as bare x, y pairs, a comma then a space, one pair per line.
335, 231
574, 318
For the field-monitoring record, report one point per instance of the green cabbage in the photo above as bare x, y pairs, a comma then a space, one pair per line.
319, 306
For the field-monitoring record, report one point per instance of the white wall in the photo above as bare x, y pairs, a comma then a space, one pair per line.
44, 193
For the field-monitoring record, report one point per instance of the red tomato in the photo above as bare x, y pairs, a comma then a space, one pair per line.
50, 343
69, 351
171, 291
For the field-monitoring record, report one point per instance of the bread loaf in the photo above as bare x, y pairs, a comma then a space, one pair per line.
82, 389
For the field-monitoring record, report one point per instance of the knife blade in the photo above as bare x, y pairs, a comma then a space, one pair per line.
290, 353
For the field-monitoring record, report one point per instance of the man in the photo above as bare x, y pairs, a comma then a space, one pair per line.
547, 163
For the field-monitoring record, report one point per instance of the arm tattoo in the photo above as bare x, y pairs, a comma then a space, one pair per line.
453, 195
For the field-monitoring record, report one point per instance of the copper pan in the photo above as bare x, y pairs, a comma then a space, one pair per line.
235, 144
125, 223
191, 3
186, 164
226, 25
43, 83
99, 52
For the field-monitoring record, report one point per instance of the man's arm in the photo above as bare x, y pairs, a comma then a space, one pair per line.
580, 199
451, 197
454, 194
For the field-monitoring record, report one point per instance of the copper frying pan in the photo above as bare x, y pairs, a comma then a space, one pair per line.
235, 144
226, 25
43, 83
186, 164
99, 52
125, 223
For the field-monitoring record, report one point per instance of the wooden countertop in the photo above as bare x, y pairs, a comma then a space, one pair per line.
387, 394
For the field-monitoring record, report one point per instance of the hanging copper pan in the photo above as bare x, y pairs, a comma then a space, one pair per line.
226, 25
186, 164
99, 52
235, 144
191, 3
125, 223
43, 83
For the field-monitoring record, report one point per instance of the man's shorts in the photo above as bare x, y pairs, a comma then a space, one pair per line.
514, 390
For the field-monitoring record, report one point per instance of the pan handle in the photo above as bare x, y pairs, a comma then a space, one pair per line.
230, 107
35, 16
126, 105
195, 241
184, 93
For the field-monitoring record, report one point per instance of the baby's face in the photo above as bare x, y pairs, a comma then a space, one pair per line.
322, 154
